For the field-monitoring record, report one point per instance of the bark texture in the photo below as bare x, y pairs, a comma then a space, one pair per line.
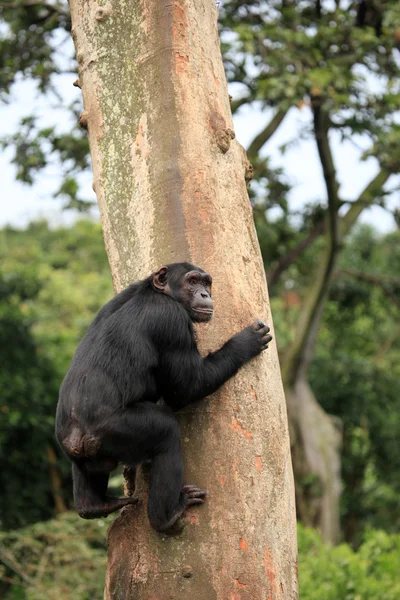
170, 182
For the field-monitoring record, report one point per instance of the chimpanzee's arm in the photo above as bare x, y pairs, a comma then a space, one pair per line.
188, 377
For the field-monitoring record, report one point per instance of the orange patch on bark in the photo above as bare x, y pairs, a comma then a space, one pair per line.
243, 545
222, 480
181, 61
236, 426
181, 57
240, 585
216, 80
194, 519
203, 214
252, 390
180, 20
269, 571
258, 463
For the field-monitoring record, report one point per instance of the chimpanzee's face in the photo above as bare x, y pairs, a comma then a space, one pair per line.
195, 295
189, 285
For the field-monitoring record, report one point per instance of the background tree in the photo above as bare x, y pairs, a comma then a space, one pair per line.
286, 55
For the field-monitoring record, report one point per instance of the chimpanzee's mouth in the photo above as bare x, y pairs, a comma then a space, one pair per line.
203, 315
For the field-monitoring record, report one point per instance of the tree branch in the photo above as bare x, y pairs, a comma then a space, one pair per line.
321, 128
7, 558
236, 104
365, 200
300, 352
285, 261
263, 137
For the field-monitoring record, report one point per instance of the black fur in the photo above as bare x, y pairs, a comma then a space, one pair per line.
140, 348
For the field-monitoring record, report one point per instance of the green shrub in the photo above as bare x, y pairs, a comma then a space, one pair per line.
339, 573
65, 559
61, 559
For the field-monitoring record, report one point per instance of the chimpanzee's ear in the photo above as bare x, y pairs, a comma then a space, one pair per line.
160, 279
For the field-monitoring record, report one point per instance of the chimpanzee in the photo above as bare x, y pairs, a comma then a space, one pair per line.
140, 348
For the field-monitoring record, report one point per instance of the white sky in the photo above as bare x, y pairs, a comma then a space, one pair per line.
20, 203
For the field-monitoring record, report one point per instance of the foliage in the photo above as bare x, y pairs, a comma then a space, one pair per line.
51, 284
36, 147
36, 46
356, 375
355, 370
339, 573
27, 389
64, 558
28, 42
308, 56
284, 53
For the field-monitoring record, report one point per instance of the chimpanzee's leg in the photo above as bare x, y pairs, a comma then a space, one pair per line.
149, 431
168, 498
90, 489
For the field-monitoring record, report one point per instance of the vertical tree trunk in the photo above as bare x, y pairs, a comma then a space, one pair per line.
170, 182
55, 480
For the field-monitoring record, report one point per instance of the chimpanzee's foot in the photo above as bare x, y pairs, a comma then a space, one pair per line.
103, 510
190, 495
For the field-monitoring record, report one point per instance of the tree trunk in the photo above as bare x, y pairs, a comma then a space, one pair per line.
55, 480
170, 182
316, 436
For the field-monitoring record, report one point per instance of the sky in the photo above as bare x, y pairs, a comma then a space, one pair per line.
19, 203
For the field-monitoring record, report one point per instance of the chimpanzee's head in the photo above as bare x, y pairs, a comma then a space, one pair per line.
189, 285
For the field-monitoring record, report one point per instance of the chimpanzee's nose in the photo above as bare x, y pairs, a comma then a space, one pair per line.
204, 295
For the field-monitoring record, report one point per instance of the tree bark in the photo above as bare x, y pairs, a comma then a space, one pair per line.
55, 479
170, 182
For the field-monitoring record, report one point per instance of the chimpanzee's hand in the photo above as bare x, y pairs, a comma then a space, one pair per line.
255, 338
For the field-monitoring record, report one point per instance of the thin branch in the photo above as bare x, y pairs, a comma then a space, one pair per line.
263, 137
285, 261
321, 128
236, 104
7, 558
365, 200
